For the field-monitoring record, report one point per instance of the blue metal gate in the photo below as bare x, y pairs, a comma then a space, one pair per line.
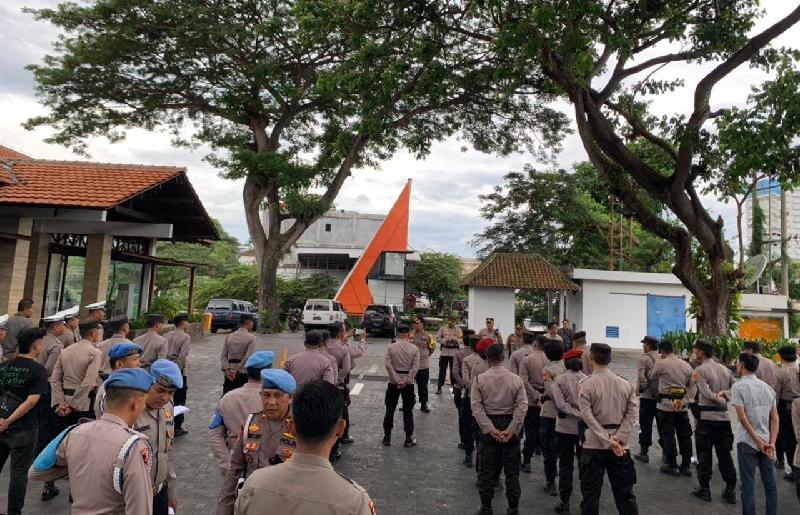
665, 313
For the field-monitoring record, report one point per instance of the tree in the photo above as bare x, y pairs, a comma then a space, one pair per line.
757, 233
293, 95
439, 275
603, 57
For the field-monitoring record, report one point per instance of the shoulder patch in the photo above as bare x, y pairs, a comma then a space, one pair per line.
372, 506
145, 451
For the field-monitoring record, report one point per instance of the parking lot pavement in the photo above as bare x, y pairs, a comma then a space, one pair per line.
426, 479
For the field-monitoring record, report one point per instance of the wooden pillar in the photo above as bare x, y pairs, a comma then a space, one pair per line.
95, 269
191, 290
151, 290
14, 262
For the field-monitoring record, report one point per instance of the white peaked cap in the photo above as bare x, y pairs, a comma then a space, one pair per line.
97, 305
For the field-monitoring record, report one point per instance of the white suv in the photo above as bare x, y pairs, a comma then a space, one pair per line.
320, 313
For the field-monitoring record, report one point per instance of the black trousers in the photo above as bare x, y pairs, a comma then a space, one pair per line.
444, 363
549, 441
20, 446
46, 422
710, 436
179, 399
393, 394
647, 413
161, 502
238, 381
568, 449
457, 402
786, 443
465, 421
346, 410
674, 425
496, 457
594, 464
532, 440
422, 380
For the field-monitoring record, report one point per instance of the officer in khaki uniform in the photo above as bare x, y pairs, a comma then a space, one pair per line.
178, 344
264, 439
71, 332
234, 407
491, 332
609, 410
796, 461
119, 327
122, 355
523, 348
787, 389
307, 484
73, 382
474, 365
158, 424
107, 461
499, 404
16, 323
402, 364
579, 343
458, 386
647, 396
531, 370
515, 340
554, 351
52, 347
422, 340
238, 346
154, 345
671, 379
449, 338
713, 431
565, 395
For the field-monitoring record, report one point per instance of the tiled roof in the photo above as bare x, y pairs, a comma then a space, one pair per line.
77, 184
523, 271
10, 153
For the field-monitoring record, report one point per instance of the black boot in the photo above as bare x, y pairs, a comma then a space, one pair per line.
526, 466
550, 488
485, 510
702, 493
561, 507
50, 491
387, 440
468, 460
672, 470
439, 391
642, 456
410, 442
729, 494
425, 409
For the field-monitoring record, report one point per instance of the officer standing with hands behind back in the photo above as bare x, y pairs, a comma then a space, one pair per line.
238, 346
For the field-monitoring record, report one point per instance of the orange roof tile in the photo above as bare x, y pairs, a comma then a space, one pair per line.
77, 184
10, 153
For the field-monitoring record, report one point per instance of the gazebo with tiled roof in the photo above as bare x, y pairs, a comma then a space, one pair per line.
492, 286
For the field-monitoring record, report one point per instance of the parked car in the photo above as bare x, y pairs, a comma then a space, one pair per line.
381, 318
226, 313
321, 313
422, 301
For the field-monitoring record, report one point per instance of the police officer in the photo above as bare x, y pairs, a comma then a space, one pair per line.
238, 346
73, 382
647, 397
515, 340
474, 365
565, 395
608, 409
307, 483
154, 345
458, 384
449, 337
108, 462
787, 389
21, 320
341, 356
523, 347
499, 404
72, 333
422, 340
119, 327
531, 370
767, 369
178, 344
122, 355
672, 379
796, 461
265, 438
579, 343
490, 331
233, 408
52, 347
158, 424
97, 311
3, 332
554, 351
713, 430
402, 364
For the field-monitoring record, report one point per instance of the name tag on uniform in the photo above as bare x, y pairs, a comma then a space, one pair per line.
142, 428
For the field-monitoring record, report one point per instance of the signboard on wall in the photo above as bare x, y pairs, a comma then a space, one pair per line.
768, 329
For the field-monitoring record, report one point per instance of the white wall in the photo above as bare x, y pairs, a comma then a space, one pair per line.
497, 303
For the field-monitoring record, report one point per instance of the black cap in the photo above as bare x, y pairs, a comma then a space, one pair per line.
600, 349
314, 338
652, 341
579, 334
116, 323
87, 325
788, 353
155, 318
494, 351
180, 318
245, 317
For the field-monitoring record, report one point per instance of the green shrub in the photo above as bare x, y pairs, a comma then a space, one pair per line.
726, 348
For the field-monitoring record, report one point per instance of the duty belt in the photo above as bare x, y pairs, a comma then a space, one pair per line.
670, 396
401, 371
712, 408
103, 376
68, 391
234, 361
611, 426
159, 487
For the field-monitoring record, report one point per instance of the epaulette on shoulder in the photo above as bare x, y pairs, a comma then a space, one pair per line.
355, 485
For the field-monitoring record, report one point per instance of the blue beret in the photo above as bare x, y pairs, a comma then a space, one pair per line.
123, 350
260, 359
130, 378
166, 373
278, 379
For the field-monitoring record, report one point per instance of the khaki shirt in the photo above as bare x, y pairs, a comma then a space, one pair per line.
238, 346
513, 342
155, 347
68, 337
304, 485
673, 372
565, 395
530, 370
498, 338
341, 356
422, 341
104, 347
787, 382
178, 344
458, 366
233, 409
469, 370
606, 398
159, 427
498, 392
796, 426
14, 325
587, 362
50, 353
402, 361
553, 369
767, 371
713, 378
449, 340
643, 368
310, 365
76, 369
267, 438
88, 454
517, 356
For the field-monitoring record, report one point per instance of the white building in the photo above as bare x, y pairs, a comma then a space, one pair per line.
768, 196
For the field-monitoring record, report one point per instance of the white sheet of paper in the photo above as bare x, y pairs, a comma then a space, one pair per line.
171, 511
180, 410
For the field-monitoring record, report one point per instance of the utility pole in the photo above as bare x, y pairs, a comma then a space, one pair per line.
784, 245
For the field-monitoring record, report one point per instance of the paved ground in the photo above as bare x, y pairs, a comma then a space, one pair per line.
426, 479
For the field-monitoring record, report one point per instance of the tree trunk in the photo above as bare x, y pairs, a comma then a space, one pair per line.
715, 316
268, 291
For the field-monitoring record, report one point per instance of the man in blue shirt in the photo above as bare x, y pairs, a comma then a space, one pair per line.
754, 401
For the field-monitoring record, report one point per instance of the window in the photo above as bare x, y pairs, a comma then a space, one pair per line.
612, 331
337, 306
327, 227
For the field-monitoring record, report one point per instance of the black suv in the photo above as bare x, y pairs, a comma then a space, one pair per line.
381, 318
227, 313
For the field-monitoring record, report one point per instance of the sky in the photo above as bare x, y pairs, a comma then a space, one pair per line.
446, 185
